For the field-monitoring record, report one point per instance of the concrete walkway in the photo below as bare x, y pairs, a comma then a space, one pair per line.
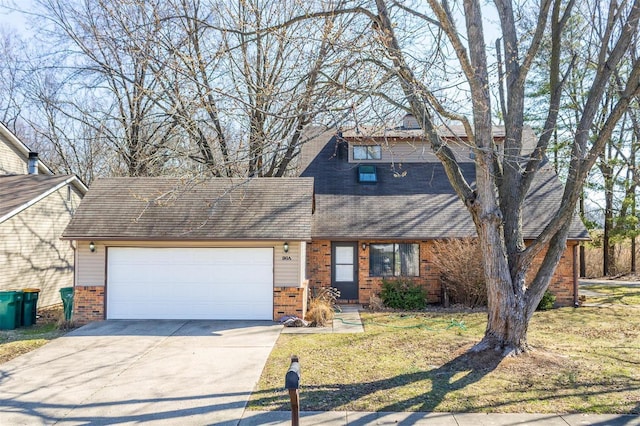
586, 282
585, 287
335, 418
346, 321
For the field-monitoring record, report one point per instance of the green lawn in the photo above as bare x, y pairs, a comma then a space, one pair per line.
585, 360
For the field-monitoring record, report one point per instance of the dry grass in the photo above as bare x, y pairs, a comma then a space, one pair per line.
14, 343
622, 259
320, 313
585, 360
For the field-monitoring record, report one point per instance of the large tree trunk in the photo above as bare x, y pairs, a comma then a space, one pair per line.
503, 181
506, 324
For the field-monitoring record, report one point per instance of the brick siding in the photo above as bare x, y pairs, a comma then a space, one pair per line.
289, 301
88, 304
319, 267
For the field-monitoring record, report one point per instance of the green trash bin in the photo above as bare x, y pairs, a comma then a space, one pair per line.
67, 301
29, 305
8, 302
19, 299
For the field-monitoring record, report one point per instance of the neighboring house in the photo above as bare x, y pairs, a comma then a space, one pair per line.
15, 156
367, 205
34, 209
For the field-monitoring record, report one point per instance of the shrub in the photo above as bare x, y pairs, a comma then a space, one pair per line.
319, 313
375, 303
403, 294
322, 306
547, 301
459, 262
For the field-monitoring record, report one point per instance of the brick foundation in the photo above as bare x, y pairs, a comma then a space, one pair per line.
88, 304
289, 301
319, 267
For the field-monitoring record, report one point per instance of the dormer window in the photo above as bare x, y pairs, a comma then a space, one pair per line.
367, 152
367, 174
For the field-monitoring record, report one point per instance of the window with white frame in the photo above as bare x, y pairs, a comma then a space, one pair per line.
367, 152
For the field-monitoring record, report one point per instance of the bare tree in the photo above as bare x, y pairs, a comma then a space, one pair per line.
496, 202
11, 79
190, 86
266, 81
100, 51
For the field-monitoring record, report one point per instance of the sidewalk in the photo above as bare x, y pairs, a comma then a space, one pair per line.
586, 282
346, 321
334, 418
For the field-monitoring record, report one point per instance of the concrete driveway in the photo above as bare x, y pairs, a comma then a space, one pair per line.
115, 372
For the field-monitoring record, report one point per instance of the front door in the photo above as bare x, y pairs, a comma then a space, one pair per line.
344, 275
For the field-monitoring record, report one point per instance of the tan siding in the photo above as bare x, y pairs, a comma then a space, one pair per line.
287, 266
31, 252
11, 162
90, 270
91, 266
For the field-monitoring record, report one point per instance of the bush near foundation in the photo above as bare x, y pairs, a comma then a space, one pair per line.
460, 264
547, 301
403, 294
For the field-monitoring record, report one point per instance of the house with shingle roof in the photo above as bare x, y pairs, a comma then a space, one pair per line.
164, 248
35, 207
366, 206
382, 198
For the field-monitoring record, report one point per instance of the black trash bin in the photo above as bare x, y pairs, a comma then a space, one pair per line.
8, 302
29, 305
66, 293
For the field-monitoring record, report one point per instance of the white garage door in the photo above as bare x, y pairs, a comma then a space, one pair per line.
189, 283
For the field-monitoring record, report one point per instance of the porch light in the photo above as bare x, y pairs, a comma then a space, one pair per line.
285, 247
92, 247
364, 246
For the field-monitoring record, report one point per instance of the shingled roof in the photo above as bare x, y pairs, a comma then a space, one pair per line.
410, 201
213, 209
18, 192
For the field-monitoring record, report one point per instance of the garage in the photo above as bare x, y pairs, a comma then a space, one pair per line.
189, 283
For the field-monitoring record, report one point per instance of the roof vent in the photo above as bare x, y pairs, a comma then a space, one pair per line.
410, 122
32, 165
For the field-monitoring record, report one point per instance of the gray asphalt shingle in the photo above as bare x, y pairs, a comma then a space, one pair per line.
17, 190
413, 201
212, 209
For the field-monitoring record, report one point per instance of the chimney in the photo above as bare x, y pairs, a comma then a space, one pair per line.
409, 122
32, 167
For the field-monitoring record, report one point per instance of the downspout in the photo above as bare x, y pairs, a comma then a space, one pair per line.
576, 302
75, 261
